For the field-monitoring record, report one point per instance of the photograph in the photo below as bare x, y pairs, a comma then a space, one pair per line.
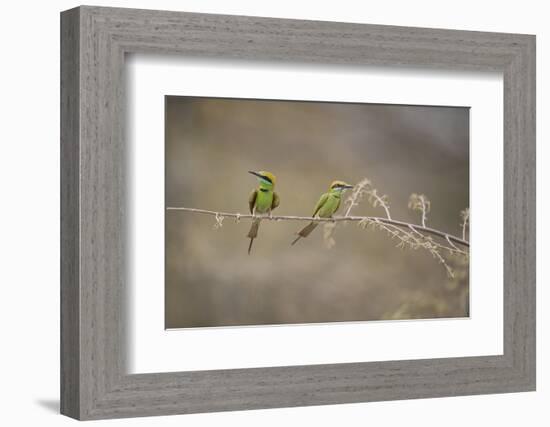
297, 212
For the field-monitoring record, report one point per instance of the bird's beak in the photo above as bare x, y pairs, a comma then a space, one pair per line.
255, 173
348, 186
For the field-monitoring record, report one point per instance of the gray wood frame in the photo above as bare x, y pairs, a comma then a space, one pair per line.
94, 41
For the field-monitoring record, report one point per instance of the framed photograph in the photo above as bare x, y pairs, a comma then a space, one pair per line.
261, 213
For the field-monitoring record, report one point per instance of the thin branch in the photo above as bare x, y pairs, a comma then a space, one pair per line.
378, 200
394, 222
424, 210
419, 202
451, 243
433, 247
357, 193
465, 215
414, 230
219, 222
452, 249
416, 240
393, 230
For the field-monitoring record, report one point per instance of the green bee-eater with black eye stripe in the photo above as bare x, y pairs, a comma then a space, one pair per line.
261, 201
327, 206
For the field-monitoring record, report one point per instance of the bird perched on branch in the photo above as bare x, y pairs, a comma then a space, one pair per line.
261, 201
327, 206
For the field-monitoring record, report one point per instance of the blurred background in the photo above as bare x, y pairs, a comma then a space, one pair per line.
211, 143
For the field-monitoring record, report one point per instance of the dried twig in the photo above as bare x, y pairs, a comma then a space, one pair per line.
378, 200
451, 243
419, 202
413, 236
465, 215
219, 221
356, 195
416, 240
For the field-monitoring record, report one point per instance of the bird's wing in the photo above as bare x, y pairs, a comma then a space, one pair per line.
320, 203
275, 201
337, 205
252, 200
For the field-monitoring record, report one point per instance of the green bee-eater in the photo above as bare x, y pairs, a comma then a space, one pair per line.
327, 206
261, 201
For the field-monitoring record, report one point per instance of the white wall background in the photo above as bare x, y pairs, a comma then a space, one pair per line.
29, 213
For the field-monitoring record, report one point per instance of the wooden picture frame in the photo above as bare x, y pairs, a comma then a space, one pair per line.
94, 382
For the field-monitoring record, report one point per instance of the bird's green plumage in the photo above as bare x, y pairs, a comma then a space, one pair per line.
262, 198
327, 206
261, 201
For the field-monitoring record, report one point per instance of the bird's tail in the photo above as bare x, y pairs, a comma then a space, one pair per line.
306, 231
253, 233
